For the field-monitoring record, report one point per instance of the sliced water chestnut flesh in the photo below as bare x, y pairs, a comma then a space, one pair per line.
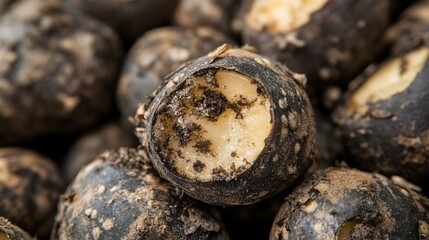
385, 121
230, 128
345, 204
329, 41
157, 53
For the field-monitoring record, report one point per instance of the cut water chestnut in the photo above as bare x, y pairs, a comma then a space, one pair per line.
345, 204
329, 41
385, 120
230, 128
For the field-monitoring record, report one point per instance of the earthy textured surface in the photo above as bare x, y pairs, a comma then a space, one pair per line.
85, 149
337, 43
155, 55
120, 196
390, 135
349, 204
8, 231
29, 188
57, 70
288, 150
129, 18
217, 14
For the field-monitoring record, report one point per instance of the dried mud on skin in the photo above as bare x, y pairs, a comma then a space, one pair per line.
29, 188
154, 56
274, 168
57, 68
120, 196
350, 204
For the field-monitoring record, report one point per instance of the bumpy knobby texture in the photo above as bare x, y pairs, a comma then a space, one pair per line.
89, 146
230, 128
411, 30
29, 188
129, 18
120, 196
335, 43
217, 14
57, 68
384, 120
8, 231
157, 54
346, 204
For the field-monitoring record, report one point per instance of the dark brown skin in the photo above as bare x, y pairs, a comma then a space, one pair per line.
333, 47
130, 18
120, 196
347, 204
3, 5
217, 14
275, 167
86, 148
329, 146
8, 231
411, 30
156, 54
390, 135
57, 68
29, 188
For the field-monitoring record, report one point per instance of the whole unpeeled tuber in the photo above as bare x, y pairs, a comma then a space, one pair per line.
57, 71
29, 188
120, 196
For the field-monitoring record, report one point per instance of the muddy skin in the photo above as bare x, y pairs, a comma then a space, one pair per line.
331, 44
120, 196
129, 18
86, 148
8, 231
388, 131
29, 188
237, 170
216, 14
154, 56
56, 67
349, 204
